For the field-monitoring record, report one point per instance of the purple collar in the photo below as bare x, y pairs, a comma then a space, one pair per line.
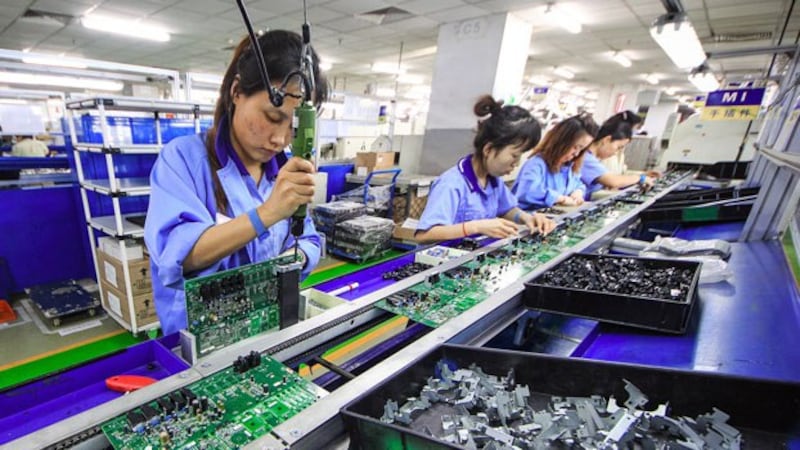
226, 152
465, 167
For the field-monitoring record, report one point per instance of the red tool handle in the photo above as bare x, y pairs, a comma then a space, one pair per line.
127, 383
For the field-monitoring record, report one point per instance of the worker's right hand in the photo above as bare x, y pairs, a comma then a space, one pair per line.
294, 186
566, 201
496, 228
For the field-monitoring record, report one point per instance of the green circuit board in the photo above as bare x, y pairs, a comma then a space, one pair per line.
223, 411
442, 297
235, 304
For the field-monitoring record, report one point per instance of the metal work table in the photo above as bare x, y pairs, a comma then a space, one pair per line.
742, 326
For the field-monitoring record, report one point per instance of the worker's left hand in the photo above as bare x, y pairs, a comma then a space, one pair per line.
539, 222
577, 195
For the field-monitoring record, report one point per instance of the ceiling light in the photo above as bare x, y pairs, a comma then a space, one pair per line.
130, 28
410, 79
676, 36
592, 95
385, 92
13, 101
562, 20
391, 68
560, 85
50, 80
672, 90
60, 61
325, 66
539, 80
704, 81
621, 59
651, 78
206, 78
562, 72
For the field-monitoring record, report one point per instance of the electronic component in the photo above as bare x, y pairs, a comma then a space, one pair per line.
484, 411
361, 238
226, 410
441, 298
235, 304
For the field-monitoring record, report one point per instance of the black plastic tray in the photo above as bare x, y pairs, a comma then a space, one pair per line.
766, 412
665, 315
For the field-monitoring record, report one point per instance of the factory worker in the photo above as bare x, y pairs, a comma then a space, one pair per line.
613, 136
471, 198
552, 173
629, 117
224, 198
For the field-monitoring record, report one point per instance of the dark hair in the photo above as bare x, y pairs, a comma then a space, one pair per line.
617, 129
506, 125
628, 116
557, 142
282, 51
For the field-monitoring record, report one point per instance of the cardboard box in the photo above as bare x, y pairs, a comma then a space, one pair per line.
134, 248
144, 308
405, 231
367, 162
401, 210
111, 271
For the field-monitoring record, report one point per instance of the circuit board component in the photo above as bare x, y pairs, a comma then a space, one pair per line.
235, 304
223, 411
446, 295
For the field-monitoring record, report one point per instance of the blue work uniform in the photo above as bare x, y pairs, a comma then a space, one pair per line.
536, 187
591, 170
182, 207
457, 197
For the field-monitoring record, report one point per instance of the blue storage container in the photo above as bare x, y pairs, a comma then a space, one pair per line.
35, 405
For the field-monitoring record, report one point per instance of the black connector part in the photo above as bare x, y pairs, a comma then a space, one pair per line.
148, 411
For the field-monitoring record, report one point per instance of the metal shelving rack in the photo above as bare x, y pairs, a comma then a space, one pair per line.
116, 187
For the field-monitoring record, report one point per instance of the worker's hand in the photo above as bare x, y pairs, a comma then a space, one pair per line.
577, 195
654, 174
293, 187
566, 201
648, 182
539, 222
496, 228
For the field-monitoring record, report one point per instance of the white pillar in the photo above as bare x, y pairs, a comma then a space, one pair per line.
474, 57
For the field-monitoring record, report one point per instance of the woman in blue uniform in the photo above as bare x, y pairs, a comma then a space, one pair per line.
471, 198
611, 139
222, 200
552, 174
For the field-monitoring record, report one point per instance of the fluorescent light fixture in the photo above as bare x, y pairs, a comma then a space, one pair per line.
206, 78
539, 80
54, 60
671, 90
390, 68
562, 20
704, 81
325, 66
130, 28
410, 79
676, 36
562, 72
621, 59
13, 101
51, 80
651, 78
385, 92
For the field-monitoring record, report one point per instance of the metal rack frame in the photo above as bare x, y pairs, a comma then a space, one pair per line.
116, 187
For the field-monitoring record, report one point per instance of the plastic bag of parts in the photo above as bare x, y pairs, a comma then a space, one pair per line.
713, 269
670, 246
376, 198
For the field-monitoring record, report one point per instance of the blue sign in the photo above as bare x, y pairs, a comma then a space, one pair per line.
736, 97
540, 90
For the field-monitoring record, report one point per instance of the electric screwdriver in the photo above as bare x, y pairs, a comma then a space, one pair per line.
302, 146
